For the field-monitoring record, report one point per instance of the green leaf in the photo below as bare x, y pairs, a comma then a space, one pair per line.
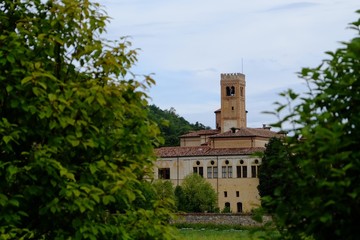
95, 197
108, 199
353, 195
26, 80
12, 170
43, 85
3, 200
90, 99
14, 202
37, 91
52, 97
100, 99
53, 124
65, 173
10, 58
9, 88
93, 168
73, 140
7, 139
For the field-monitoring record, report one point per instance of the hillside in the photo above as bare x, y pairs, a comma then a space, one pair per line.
172, 125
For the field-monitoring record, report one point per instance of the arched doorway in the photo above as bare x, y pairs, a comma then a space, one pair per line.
227, 208
239, 207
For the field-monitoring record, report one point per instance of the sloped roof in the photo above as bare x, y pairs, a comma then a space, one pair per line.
240, 132
247, 132
201, 132
204, 151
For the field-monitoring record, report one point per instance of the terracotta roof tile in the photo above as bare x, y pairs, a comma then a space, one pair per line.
203, 151
201, 132
247, 132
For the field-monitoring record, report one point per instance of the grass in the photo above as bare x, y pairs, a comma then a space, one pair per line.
208, 234
223, 232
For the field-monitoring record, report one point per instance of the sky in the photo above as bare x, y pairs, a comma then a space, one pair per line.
187, 44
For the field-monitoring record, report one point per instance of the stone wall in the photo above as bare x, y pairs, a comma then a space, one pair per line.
219, 218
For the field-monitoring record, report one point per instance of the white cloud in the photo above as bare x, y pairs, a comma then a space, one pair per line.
188, 44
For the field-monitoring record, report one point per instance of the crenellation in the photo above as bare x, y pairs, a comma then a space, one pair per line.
230, 76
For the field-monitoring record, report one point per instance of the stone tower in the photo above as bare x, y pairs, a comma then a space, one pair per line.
233, 112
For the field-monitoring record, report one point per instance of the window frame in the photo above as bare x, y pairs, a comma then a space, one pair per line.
164, 173
244, 171
229, 173
199, 170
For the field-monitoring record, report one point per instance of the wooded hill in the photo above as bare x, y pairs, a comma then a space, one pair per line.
172, 125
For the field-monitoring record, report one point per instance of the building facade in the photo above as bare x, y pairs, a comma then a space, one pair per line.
223, 156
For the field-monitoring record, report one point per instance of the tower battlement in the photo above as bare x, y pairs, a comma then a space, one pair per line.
230, 76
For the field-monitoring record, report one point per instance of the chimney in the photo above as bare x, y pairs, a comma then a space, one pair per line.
266, 127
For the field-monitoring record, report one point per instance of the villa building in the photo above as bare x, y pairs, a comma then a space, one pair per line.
223, 156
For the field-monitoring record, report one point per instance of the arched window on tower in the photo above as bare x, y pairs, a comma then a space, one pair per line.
241, 91
232, 91
228, 91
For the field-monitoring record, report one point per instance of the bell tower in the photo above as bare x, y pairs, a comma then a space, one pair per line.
233, 112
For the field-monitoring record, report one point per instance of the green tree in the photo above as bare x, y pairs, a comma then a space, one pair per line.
199, 195
271, 164
165, 192
180, 199
320, 194
172, 125
76, 140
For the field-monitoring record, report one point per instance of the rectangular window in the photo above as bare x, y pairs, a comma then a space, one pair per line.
253, 171
238, 171
223, 172
212, 172
229, 171
215, 172
237, 194
209, 172
244, 171
199, 170
225, 194
164, 173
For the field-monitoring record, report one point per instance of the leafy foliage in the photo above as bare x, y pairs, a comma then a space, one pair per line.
270, 167
165, 193
76, 139
172, 126
196, 195
320, 196
180, 199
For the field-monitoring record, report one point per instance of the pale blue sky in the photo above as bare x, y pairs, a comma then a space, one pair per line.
187, 44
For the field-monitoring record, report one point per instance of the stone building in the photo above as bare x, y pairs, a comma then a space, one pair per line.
223, 156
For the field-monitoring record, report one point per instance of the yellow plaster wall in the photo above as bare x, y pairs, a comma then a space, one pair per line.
260, 142
190, 142
247, 187
231, 143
